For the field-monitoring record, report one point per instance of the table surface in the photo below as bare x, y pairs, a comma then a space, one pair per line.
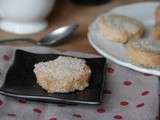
66, 12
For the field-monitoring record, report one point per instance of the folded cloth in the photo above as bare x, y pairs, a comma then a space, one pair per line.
128, 95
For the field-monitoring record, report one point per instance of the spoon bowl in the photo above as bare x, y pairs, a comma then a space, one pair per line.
51, 38
58, 35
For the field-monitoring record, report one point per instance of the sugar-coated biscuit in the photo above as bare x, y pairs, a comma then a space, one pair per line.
144, 52
120, 28
156, 31
64, 74
157, 15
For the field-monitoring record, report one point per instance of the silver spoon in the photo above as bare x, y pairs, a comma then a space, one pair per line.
50, 38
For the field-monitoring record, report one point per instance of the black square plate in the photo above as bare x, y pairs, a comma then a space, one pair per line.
21, 81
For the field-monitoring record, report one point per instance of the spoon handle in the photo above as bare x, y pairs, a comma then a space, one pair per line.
18, 39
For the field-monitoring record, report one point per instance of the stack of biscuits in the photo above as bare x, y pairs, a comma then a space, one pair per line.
156, 28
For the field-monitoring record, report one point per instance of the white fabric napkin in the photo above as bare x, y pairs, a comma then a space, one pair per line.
128, 95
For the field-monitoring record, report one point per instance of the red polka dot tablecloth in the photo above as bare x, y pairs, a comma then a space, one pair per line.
128, 95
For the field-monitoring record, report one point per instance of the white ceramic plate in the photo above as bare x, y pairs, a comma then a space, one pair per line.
116, 52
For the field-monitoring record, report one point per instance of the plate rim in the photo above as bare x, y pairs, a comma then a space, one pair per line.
65, 101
